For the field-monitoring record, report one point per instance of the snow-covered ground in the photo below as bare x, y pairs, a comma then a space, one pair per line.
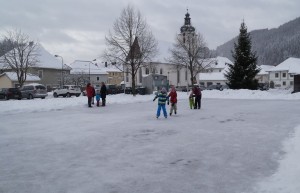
229, 146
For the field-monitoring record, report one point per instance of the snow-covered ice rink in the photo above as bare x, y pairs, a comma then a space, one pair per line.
229, 146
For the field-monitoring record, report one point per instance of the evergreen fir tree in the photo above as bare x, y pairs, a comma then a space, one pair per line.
241, 75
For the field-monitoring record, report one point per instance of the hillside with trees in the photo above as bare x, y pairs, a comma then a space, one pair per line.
272, 46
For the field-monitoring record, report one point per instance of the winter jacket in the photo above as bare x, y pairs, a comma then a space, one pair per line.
89, 91
162, 98
196, 91
173, 96
103, 91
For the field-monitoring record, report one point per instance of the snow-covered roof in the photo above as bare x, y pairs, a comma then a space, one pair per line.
13, 76
86, 68
108, 68
45, 59
219, 62
264, 69
292, 65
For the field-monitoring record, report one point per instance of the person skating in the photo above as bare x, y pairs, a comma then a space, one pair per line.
103, 91
173, 100
162, 99
191, 100
98, 96
198, 96
94, 94
89, 93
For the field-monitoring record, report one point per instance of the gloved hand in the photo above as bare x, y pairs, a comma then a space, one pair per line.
153, 99
168, 102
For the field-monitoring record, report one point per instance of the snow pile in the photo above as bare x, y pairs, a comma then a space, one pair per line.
286, 178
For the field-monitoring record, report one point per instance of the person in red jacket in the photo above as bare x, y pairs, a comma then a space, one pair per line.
173, 100
89, 93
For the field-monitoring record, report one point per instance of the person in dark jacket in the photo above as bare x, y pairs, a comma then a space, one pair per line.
162, 99
103, 91
94, 94
89, 93
198, 95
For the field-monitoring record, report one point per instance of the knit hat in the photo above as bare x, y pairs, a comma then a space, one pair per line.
163, 90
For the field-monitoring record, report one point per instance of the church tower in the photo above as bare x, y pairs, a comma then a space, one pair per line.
187, 31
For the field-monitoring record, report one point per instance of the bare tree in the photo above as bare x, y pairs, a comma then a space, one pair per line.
22, 56
191, 52
131, 44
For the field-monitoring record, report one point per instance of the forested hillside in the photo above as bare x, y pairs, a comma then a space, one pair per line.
272, 46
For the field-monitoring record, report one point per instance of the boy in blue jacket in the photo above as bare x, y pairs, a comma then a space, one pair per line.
162, 99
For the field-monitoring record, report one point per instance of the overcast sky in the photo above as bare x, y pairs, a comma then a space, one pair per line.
75, 29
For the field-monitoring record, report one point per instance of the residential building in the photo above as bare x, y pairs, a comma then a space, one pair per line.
10, 80
50, 70
84, 72
263, 75
282, 75
215, 72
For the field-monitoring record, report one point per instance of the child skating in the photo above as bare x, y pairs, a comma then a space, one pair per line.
191, 100
98, 96
173, 100
162, 99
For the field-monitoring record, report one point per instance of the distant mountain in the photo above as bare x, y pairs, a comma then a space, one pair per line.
272, 46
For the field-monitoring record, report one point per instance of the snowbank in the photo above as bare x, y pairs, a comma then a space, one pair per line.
50, 103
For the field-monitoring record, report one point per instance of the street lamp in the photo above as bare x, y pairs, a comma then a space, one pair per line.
89, 66
62, 68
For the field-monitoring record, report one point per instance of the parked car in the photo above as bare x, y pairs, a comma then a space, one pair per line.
224, 87
214, 87
128, 90
111, 89
263, 86
181, 88
34, 90
202, 87
67, 91
10, 93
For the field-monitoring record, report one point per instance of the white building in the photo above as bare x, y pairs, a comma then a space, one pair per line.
175, 76
282, 75
214, 75
263, 75
89, 72
10, 79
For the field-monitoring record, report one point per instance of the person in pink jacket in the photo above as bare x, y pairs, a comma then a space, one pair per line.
173, 100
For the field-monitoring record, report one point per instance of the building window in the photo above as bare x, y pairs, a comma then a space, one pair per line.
291, 75
140, 75
147, 70
161, 71
98, 78
284, 75
40, 72
154, 71
276, 75
283, 83
127, 75
178, 76
292, 83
